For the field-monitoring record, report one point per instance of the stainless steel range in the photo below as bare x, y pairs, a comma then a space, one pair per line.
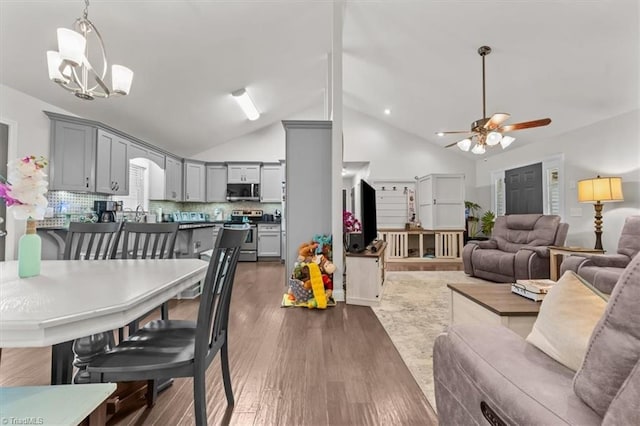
241, 219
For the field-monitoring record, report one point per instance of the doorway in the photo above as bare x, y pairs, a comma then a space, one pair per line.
523, 189
4, 156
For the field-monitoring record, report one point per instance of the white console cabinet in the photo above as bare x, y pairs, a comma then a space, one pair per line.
441, 201
365, 277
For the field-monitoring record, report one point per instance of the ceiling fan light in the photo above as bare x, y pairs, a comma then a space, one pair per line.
121, 78
71, 46
478, 149
464, 144
493, 138
506, 141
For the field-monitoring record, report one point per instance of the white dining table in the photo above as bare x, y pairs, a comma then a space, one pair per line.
71, 299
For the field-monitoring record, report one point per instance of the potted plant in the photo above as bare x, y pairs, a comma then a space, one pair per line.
471, 211
487, 221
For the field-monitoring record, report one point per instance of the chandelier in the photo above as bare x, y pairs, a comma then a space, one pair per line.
71, 69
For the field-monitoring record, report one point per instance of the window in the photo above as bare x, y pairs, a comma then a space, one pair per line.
138, 186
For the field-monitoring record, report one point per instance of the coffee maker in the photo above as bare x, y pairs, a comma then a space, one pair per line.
106, 210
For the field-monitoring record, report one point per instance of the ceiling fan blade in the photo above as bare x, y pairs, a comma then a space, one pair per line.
525, 125
455, 132
496, 119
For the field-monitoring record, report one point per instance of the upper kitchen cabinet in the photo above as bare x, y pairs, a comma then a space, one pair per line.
271, 183
166, 184
173, 175
194, 181
112, 164
73, 156
140, 151
216, 183
243, 172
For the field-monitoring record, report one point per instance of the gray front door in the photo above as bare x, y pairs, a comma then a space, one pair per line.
4, 148
523, 188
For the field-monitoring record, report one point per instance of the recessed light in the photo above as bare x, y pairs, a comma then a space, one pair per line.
387, 111
440, 134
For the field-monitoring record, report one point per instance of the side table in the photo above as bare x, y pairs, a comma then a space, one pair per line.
557, 253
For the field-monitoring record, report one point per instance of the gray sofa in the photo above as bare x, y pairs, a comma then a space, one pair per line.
485, 373
517, 248
603, 271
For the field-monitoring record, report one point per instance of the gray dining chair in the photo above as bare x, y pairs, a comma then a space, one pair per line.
91, 241
86, 241
147, 241
180, 348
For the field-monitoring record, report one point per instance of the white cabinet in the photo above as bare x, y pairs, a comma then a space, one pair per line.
173, 179
268, 240
216, 183
365, 277
441, 201
73, 151
243, 173
194, 181
112, 164
271, 183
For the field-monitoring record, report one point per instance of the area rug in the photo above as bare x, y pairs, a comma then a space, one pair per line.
414, 310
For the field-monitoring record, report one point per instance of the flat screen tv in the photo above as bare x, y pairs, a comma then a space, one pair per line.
368, 212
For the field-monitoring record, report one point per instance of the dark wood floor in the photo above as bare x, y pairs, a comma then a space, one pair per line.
290, 366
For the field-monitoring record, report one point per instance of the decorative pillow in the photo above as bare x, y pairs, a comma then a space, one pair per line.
614, 348
568, 315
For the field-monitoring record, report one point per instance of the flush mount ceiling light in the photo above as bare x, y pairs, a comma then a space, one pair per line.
488, 131
248, 107
71, 69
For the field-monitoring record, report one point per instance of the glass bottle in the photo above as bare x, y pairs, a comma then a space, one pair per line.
29, 252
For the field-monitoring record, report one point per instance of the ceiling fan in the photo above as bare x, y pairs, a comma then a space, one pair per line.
489, 131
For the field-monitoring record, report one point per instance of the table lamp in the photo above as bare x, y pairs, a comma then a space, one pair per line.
600, 190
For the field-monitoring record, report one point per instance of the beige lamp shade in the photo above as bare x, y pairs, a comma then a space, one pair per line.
600, 189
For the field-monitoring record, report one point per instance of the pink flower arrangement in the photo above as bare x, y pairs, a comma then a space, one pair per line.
350, 223
25, 187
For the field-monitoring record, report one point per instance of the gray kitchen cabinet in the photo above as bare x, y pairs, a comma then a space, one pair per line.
139, 151
216, 175
268, 240
112, 164
243, 173
73, 156
194, 181
271, 183
173, 179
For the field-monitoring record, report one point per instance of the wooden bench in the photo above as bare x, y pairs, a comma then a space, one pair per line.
55, 405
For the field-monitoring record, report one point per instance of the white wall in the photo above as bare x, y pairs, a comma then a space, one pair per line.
28, 135
395, 154
391, 152
266, 144
607, 148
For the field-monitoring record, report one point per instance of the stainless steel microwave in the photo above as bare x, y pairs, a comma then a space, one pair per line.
243, 192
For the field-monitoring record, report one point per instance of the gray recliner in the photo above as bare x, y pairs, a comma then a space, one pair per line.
486, 373
604, 270
517, 248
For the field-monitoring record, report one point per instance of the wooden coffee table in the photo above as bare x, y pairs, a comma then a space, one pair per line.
492, 304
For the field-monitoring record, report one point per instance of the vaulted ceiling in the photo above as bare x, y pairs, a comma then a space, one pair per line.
573, 61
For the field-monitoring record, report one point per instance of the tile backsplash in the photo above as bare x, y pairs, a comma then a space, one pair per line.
63, 203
